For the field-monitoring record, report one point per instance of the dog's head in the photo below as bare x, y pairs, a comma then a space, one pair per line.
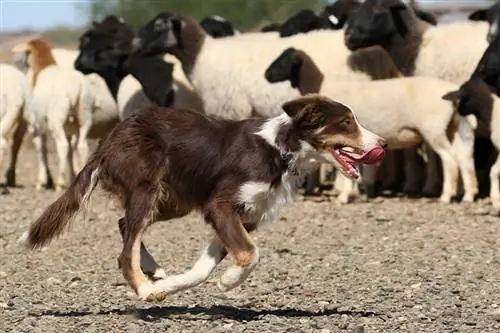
329, 132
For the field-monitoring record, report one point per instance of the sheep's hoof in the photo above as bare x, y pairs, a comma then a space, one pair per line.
343, 199
468, 198
431, 191
445, 199
10, 178
4, 190
370, 191
50, 183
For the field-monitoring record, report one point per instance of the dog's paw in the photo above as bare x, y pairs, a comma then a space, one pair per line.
148, 292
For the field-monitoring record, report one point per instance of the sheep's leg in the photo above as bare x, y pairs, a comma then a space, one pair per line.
64, 157
443, 148
463, 146
83, 145
15, 147
432, 186
413, 173
44, 178
495, 183
369, 180
346, 191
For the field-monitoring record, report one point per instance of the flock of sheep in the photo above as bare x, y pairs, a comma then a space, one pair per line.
431, 90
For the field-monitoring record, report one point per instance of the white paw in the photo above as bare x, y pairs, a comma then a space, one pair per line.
343, 199
148, 292
159, 274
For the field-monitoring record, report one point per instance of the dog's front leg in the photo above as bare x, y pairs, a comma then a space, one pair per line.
228, 225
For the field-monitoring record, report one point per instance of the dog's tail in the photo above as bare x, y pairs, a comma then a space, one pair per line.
60, 213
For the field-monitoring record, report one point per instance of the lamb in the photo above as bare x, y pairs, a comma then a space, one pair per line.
475, 97
490, 15
14, 100
406, 109
218, 27
61, 103
105, 48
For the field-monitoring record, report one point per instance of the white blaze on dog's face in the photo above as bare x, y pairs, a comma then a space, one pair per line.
331, 133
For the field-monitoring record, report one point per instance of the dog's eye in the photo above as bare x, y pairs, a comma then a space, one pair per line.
347, 122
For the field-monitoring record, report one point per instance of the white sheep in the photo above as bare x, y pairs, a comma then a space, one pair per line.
403, 110
61, 104
14, 99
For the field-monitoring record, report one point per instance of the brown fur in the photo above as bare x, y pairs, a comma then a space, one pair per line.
374, 61
191, 39
39, 57
163, 163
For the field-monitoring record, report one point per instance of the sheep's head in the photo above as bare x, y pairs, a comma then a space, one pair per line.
338, 12
270, 27
105, 47
218, 27
302, 22
285, 68
490, 15
378, 22
162, 34
474, 97
35, 54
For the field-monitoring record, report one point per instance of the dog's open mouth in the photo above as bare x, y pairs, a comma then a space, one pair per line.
348, 159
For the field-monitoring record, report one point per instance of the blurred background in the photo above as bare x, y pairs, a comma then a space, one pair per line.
62, 21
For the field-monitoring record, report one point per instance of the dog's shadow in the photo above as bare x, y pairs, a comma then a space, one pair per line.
213, 312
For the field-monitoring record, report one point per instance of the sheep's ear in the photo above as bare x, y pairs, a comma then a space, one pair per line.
452, 96
396, 12
479, 15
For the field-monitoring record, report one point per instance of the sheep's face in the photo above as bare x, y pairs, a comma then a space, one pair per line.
490, 15
302, 22
160, 35
104, 48
338, 12
473, 98
375, 22
286, 67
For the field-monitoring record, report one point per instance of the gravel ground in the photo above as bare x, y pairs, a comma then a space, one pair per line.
389, 265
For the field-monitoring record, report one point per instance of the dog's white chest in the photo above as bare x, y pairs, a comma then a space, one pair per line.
263, 203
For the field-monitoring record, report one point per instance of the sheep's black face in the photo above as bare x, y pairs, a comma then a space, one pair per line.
285, 67
338, 12
473, 98
304, 21
104, 48
217, 27
160, 35
375, 23
490, 15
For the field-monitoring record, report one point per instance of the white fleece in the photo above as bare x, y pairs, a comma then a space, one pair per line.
452, 51
412, 103
229, 72
14, 98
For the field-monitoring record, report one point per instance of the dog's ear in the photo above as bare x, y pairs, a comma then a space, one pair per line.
305, 112
452, 96
479, 15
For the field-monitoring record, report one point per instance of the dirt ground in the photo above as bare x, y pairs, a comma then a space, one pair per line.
389, 265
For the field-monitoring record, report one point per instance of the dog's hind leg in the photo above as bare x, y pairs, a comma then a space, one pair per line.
211, 256
148, 263
138, 215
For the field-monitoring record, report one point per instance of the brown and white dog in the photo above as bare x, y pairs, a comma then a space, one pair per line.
163, 163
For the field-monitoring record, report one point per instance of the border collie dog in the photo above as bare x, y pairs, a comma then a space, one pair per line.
163, 163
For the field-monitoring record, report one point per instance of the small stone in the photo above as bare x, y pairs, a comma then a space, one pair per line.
358, 329
416, 285
323, 303
228, 326
495, 315
325, 330
3, 305
52, 280
3, 274
343, 326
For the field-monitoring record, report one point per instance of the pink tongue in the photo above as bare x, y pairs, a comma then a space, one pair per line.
372, 156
